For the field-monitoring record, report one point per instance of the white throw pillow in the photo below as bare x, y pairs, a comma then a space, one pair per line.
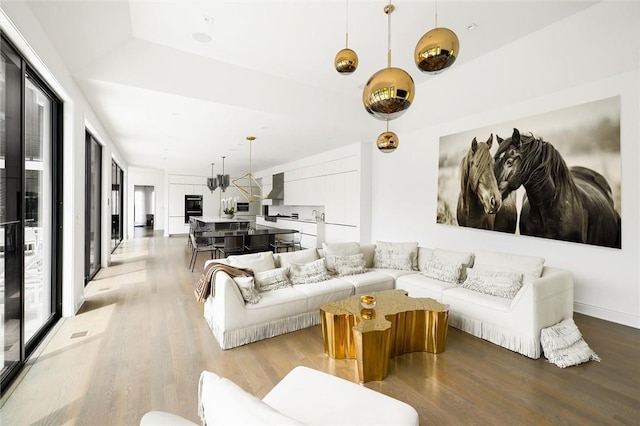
225, 403
258, 262
307, 273
350, 265
248, 289
529, 266
402, 256
564, 346
448, 272
300, 256
272, 279
494, 283
338, 249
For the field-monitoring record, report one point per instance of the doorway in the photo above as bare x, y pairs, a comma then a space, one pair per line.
144, 204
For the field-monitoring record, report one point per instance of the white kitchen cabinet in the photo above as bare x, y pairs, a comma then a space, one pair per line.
342, 198
341, 233
177, 225
176, 199
305, 192
195, 180
176, 179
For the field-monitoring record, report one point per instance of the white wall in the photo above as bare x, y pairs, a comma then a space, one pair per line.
139, 176
586, 57
25, 32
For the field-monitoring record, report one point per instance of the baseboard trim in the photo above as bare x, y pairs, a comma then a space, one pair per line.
618, 317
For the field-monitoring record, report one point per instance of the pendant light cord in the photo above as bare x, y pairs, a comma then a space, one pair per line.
346, 29
389, 35
436, 13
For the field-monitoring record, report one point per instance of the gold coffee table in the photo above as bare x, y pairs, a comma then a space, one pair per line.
398, 324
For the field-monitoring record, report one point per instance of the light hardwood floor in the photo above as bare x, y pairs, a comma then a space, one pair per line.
146, 343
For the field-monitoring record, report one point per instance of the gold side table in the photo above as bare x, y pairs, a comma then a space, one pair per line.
398, 324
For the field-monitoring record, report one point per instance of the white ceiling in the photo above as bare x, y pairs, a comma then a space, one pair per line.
171, 102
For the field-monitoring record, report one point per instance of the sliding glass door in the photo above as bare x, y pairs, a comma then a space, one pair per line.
117, 199
30, 206
93, 210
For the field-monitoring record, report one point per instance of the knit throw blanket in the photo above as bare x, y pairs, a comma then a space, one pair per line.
204, 285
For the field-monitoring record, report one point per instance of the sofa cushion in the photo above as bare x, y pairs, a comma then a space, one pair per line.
449, 272
257, 261
222, 402
248, 289
338, 249
529, 266
306, 273
323, 292
474, 304
371, 280
315, 397
350, 265
272, 279
395, 273
418, 285
300, 256
494, 283
283, 303
396, 255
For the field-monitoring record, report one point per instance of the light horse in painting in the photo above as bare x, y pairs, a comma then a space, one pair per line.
570, 204
479, 198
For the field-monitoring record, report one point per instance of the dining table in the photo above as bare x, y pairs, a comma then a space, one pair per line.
269, 232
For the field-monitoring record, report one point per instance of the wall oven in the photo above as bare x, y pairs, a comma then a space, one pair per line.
242, 207
192, 206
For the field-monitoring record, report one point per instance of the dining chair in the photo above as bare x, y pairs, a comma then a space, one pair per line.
233, 244
200, 245
297, 240
256, 243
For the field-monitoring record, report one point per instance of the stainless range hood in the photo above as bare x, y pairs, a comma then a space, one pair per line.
277, 192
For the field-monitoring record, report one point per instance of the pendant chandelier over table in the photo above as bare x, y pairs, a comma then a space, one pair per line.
221, 181
247, 182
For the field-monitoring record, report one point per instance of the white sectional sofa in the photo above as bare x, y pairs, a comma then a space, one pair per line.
545, 299
303, 396
513, 321
235, 322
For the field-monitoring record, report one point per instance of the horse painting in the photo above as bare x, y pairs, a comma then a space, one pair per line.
570, 204
479, 197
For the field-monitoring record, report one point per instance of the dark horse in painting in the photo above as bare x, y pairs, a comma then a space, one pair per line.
479, 197
507, 217
570, 204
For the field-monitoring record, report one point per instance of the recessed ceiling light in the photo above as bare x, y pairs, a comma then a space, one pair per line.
472, 26
202, 37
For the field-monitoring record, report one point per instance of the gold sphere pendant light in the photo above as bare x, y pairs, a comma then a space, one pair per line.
387, 141
437, 49
390, 91
346, 60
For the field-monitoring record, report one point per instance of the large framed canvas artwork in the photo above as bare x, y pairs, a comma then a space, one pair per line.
554, 175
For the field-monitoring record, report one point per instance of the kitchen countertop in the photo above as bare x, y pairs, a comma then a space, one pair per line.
306, 220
